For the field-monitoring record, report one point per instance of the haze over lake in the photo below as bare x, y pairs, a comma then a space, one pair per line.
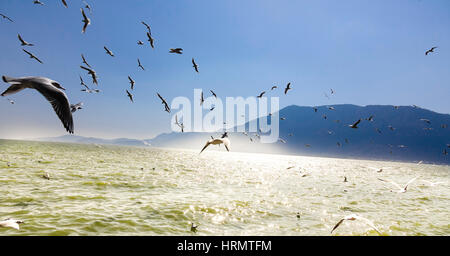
114, 190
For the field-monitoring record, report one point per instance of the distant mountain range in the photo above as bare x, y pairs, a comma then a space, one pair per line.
403, 133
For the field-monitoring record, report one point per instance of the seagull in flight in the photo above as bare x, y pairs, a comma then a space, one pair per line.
215, 96
430, 50
84, 61
11, 101
288, 87
23, 42
85, 20
38, 2
400, 189
131, 82
355, 125
139, 64
176, 50
92, 73
130, 96
108, 51
195, 65
50, 89
370, 118
273, 87
179, 125
166, 106
75, 107
32, 56
356, 217
6, 17
261, 94
64, 3
140, 42
224, 140
10, 223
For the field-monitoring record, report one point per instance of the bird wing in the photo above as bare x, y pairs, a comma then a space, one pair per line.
84, 14
20, 39
410, 181
64, 3
226, 142
369, 222
393, 183
206, 145
356, 123
337, 225
14, 88
60, 104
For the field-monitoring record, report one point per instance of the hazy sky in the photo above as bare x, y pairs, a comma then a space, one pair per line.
369, 52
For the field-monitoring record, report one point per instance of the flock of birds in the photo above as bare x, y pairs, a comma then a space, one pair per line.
54, 93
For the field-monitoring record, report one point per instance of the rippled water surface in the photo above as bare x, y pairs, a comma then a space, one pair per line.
109, 190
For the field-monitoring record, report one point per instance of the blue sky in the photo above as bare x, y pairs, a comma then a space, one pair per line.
369, 52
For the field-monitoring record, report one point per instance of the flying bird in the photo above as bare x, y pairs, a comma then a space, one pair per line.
151, 40
315, 109
108, 51
400, 189
75, 107
23, 42
84, 61
176, 50
166, 106
139, 64
38, 2
201, 99
391, 128
64, 3
273, 87
355, 125
332, 92
261, 94
32, 56
195, 65
370, 118
378, 130
130, 95
131, 82
6, 17
86, 21
430, 50
215, 96
225, 141
194, 228
288, 87
355, 217
10, 223
11, 101
181, 125
92, 73
50, 89
331, 108
140, 42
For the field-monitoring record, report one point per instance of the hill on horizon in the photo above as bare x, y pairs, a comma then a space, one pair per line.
394, 133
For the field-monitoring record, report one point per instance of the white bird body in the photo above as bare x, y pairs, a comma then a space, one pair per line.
10, 223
